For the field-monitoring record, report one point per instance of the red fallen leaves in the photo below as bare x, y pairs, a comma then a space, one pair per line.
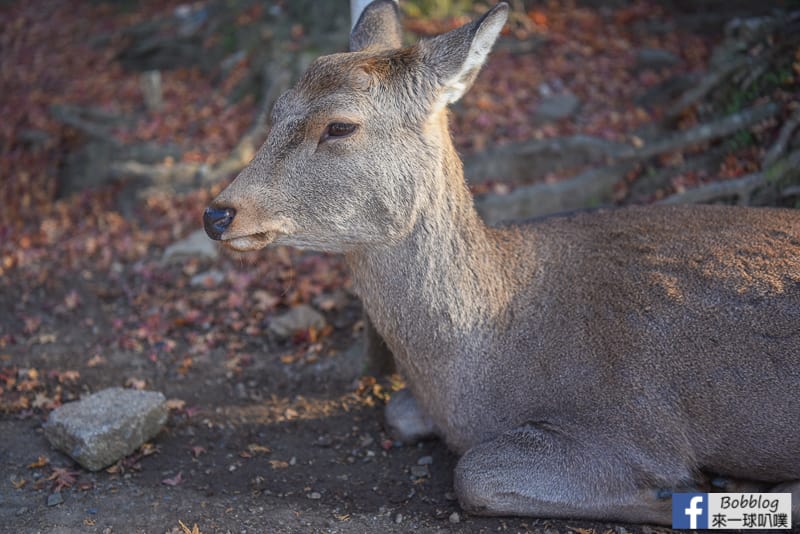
63, 477
49, 58
29, 390
582, 51
197, 451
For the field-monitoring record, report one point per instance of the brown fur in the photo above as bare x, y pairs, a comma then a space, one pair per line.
581, 363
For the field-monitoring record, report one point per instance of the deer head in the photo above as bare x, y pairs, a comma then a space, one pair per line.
357, 147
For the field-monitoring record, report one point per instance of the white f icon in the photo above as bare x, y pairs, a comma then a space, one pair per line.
693, 511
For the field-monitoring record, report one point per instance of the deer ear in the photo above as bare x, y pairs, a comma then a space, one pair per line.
456, 57
377, 27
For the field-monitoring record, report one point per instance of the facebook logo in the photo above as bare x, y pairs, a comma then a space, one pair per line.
689, 510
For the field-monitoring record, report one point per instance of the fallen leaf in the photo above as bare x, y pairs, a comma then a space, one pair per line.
135, 383
95, 360
255, 448
41, 461
176, 404
148, 449
174, 481
68, 376
114, 469
186, 530
63, 477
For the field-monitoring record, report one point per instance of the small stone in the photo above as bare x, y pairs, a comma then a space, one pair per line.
557, 107
455, 518
106, 426
324, 441
315, 495
425, 460
195, 245
450, 496
301, 317
398, 518
54, 499
419, 471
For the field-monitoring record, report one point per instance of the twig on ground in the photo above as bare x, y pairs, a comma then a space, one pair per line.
706, 84
249, 143
189, 175
82, 119
704, 132
592, 188
742, 188
784, 136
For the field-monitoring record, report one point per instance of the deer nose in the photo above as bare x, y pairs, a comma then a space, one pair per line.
217, 220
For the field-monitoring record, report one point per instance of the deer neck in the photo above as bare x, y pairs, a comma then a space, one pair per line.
447, 278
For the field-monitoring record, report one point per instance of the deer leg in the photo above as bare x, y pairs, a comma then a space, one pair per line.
536, 470
379, 359
404, 419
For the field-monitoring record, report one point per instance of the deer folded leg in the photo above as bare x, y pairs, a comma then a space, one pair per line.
404, 419
536, 470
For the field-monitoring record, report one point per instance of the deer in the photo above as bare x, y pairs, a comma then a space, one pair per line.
584, 365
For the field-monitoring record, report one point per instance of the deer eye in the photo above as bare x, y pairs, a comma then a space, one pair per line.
338, 130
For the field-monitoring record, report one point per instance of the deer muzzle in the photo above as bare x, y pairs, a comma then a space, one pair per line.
217, 220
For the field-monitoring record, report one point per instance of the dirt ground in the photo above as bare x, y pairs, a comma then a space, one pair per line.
265, 447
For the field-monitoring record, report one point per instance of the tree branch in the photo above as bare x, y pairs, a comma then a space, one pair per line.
784, 136
742, 188
704, 132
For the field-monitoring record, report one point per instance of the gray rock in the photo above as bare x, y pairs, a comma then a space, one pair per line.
100, 429
655, 58
420, 471
301, 317
455, 518
345, 367
425, 460
195, 245
556, 107
54, 499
